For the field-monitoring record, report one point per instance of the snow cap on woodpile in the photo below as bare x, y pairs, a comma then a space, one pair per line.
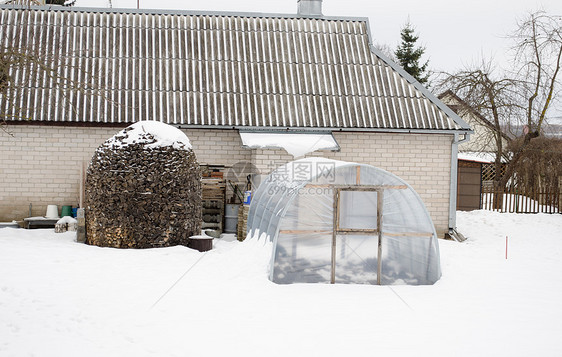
152, 134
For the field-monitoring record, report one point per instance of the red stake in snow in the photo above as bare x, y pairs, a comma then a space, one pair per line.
505, 247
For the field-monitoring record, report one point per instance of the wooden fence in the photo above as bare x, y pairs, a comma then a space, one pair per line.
521, 200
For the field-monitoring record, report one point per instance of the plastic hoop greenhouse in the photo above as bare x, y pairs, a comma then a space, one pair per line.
341, 222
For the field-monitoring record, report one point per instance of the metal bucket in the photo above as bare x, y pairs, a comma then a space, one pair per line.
231, 218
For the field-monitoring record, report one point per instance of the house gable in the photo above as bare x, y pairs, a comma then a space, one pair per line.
482, 140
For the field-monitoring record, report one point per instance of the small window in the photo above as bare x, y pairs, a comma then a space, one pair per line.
356, 210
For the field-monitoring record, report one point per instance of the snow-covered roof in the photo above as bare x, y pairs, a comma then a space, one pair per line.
222, 70
483, 157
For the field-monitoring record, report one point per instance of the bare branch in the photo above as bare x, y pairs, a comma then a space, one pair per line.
38, 73
522, 95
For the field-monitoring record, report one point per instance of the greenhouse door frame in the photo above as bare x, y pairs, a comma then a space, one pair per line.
337, 230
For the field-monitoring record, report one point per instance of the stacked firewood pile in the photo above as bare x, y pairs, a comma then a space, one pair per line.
140, 194
242, 222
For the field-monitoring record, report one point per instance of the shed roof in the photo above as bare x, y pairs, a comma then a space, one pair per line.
211, 69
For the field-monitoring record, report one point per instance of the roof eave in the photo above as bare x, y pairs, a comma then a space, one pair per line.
329, 129
291, 129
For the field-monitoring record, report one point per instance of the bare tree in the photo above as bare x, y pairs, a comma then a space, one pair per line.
26, 67
489, 94
386, 50
523, 95
26, 64
537, 56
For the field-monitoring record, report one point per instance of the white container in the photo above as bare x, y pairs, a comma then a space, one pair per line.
52, 212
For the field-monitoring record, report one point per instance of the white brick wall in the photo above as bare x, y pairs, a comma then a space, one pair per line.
41, 164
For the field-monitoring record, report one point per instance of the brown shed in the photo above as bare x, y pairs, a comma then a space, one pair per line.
469, 185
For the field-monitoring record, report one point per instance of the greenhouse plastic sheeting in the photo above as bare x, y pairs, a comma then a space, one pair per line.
332, 221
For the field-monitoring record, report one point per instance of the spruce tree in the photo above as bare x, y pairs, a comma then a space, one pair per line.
409, 55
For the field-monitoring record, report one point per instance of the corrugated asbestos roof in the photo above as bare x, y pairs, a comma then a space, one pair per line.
226, 70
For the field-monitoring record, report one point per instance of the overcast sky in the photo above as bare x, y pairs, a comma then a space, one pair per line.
454, 32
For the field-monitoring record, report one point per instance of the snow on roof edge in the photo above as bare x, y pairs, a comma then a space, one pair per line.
482, 157
296, 145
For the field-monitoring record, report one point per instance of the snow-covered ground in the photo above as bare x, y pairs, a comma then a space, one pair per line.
62, 298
